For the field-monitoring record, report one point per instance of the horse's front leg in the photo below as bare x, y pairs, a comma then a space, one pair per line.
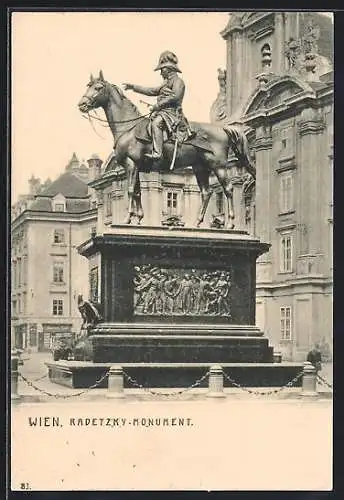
137, 198
132, 171
223, 177
228, 189
202, 177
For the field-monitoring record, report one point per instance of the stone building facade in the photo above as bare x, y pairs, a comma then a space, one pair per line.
47, 226
278, 85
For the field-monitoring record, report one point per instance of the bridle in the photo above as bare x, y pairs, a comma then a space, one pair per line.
109, 122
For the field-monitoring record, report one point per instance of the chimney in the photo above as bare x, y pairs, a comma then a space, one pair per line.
34, 185
94, 164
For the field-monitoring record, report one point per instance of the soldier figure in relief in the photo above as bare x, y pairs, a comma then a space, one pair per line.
167, 114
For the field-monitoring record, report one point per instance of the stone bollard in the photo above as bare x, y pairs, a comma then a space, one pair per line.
115, 383
14, 377
277, 357
309, 380
216, 382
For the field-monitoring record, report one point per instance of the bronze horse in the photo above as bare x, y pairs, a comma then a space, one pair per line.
123, 116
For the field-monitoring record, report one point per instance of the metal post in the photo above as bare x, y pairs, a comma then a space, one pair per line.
115, 383
216, 382
309, 380
14, 377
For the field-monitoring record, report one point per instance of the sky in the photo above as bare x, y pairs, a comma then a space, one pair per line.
53, 55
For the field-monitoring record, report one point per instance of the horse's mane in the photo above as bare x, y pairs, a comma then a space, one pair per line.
127, 101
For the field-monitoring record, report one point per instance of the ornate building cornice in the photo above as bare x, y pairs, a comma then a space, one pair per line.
262, 143
311, 127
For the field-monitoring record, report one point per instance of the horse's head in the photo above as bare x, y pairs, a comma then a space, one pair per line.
96, 94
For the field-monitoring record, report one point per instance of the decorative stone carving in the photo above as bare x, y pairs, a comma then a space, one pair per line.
218, 111
180, 292
173, 220
217, 222
100, 196
248, 191
93, 283
310, 38
293, 51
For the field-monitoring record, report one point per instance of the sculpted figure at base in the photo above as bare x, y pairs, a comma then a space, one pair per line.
90, 313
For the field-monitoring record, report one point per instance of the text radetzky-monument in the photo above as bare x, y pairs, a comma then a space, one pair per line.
174, 300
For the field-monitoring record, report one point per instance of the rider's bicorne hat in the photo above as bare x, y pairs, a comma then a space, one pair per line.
168, 59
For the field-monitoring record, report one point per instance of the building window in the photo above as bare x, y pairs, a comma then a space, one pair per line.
108, 204
286, 193
285, 315
93, 231
286, 253
172, 202
14, 307
59, 236
94, 204
58, 268
14, 274
19, 270
57, 307
219, 203
25, 270
59, 207
284, 143
24, 303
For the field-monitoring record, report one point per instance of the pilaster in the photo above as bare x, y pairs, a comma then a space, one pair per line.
263, 153
310, 129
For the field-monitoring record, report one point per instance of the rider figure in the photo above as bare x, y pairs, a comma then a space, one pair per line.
167, 113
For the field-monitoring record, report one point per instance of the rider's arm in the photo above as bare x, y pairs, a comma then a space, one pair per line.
175, 96
150, 91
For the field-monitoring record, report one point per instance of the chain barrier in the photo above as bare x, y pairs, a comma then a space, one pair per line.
324, 382
263, 393
197, 383
166, 394
63, 396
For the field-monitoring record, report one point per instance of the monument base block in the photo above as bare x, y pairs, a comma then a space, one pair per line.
174, 303
83, 374
173, 343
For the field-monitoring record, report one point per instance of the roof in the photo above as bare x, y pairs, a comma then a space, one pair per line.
67, 184
73, 206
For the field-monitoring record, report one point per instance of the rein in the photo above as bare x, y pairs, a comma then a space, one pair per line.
118, 122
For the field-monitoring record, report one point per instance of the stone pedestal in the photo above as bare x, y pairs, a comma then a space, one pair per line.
178, 295
173, 297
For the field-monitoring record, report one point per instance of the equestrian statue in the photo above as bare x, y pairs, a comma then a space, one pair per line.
164, 139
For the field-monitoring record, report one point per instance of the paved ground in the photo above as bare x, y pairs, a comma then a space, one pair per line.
35, 370
240, 442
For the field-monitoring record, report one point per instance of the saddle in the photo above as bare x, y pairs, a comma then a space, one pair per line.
199, 140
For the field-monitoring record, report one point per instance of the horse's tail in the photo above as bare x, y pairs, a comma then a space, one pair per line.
240, 147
